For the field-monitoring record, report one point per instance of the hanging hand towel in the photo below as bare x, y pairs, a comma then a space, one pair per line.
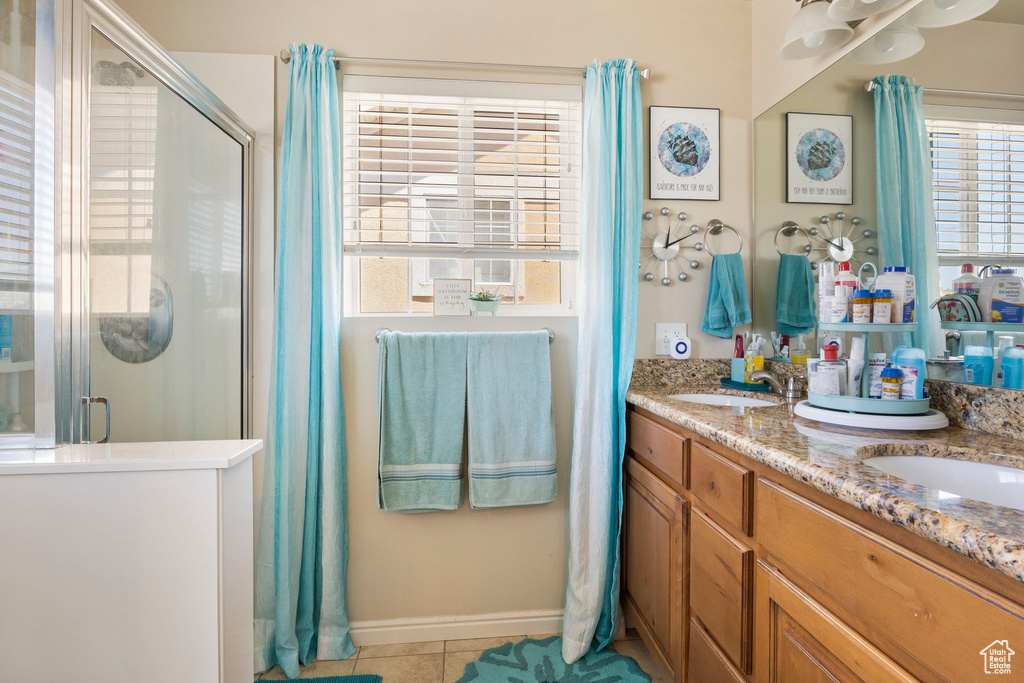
727, 305
511, 420
421, 399
794, 296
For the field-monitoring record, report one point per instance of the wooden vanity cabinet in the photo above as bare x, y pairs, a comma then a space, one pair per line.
654, 563
734, 572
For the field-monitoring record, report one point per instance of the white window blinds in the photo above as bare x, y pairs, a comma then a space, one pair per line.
17, 113
122, 163
434, 170
978, 169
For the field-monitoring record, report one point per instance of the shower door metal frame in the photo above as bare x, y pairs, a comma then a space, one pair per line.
82, 17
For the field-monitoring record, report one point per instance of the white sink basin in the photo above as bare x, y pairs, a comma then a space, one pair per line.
977, 480
723, 400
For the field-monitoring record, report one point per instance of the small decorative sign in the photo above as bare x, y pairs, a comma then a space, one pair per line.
451, 296
819, 158
685, 158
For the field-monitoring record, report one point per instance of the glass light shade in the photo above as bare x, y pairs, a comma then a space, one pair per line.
893, 44
938, 13
853, 10
812, 33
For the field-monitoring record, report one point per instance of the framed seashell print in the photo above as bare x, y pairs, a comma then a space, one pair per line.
685, 157
819, 158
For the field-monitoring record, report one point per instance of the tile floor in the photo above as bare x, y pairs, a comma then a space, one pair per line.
443, 661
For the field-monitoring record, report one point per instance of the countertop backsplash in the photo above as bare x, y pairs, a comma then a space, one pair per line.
986, 409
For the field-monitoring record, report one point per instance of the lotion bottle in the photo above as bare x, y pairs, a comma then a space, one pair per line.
855, 367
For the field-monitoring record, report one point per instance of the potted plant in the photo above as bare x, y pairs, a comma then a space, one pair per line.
484, 302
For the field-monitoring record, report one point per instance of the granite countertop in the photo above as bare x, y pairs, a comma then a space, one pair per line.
831, 460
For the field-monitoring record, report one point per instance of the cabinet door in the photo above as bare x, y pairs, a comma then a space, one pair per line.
799, 640
654, 563
721, 586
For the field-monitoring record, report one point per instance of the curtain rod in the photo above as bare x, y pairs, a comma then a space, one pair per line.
287, 57
870, 85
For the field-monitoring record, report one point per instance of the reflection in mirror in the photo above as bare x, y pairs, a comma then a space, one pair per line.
951, 209
166, 258
17, 219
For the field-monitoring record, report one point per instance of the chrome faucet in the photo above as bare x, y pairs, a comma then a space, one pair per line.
793, 388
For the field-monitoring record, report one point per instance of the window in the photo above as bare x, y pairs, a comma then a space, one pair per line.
978, 169
452, 179
17, 112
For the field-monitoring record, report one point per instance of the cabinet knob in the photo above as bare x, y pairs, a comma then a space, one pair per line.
712, 486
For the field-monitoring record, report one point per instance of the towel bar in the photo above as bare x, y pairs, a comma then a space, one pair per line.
789, 228
551, 334
715, 227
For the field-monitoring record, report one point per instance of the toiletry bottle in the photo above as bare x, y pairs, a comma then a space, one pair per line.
855, 367
904, 293
881, 306
912, 362
1001, 298
831, 372
862, 301
1003, 342
845, 277
892, 379
1013, 368
978, 365
967, 283
875, 366
841, 305
800, 354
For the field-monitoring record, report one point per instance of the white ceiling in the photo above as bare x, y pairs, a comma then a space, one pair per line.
1006, 12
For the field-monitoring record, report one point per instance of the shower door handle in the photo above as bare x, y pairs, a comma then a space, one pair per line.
88, 401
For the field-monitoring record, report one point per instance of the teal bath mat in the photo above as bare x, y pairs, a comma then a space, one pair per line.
540, 661
363, 678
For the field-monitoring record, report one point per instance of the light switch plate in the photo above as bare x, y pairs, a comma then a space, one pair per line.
664, 334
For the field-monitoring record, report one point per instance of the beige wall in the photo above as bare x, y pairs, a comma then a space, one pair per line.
479, 562
840, 90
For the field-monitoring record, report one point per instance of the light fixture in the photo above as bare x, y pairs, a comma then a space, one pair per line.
854, 10
812, 32
938, 13
892, 44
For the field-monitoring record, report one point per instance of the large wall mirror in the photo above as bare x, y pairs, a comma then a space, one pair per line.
972, 73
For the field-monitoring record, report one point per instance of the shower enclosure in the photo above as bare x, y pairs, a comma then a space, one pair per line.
124, 236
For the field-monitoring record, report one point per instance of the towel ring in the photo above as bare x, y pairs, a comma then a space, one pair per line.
789, 228
715, 227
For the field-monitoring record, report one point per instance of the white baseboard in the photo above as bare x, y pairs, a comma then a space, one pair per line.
392, 631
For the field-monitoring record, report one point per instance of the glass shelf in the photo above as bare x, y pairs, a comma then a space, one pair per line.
871, 327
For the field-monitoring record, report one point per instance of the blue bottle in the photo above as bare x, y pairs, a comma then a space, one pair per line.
1013, 368
911, 361
978, 365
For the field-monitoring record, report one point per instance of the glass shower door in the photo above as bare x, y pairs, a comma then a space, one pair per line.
164, 281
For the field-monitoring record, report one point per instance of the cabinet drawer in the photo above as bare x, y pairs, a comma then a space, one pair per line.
721, 587
723, 486
928, 618
706, 663
658, 447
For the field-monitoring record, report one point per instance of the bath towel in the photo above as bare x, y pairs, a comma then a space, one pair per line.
511, 420
794, 296
727, 305
421, 402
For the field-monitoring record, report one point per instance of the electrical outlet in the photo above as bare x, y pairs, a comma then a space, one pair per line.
664, 333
